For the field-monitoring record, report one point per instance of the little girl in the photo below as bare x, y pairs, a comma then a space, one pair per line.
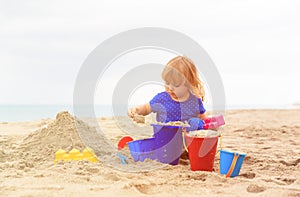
182, 98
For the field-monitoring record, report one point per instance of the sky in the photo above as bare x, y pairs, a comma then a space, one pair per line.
254, 44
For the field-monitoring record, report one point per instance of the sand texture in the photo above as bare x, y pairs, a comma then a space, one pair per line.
270, 138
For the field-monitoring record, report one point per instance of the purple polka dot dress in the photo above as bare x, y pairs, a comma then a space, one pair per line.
167, 109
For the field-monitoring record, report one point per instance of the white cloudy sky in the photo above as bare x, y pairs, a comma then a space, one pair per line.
254, 44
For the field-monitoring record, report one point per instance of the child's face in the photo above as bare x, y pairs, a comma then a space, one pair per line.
177, 90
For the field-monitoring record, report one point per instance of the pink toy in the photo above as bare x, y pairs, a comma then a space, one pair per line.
213, 122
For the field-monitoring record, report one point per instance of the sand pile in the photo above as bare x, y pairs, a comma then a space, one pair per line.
42, 144
65, 132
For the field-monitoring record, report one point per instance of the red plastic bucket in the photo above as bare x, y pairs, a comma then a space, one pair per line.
202, 152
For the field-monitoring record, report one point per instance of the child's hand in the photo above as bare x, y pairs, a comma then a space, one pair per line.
132, 112
195, 124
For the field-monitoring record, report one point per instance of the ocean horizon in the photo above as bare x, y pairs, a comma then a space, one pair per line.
22, 113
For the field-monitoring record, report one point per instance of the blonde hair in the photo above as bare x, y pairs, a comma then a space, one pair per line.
182, 68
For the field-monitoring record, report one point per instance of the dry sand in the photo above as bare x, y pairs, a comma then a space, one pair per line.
271, 139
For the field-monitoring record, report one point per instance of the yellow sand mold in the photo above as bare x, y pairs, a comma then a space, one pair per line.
75, 155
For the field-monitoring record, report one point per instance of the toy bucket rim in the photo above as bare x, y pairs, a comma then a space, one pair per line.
233, 152
171, 126
217, 136
146, 139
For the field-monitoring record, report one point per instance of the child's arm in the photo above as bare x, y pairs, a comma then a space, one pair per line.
140, 110
202, 116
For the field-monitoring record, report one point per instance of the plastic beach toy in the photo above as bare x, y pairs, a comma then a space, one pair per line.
75, 155
168, 143
231, 163
122, 157
123, 141
142, 149
59, 155
88, 154
213, 122
165, 146
202, 152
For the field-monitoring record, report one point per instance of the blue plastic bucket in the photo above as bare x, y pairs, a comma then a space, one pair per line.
142, 149
168, 143
231, 163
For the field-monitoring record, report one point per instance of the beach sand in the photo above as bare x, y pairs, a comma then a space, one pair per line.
270, 138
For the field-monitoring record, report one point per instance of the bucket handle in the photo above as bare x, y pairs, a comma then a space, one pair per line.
234, 160
184, 142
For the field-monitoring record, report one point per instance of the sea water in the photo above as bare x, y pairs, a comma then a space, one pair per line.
19, 113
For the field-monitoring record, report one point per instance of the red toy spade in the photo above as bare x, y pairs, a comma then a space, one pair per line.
123, 141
